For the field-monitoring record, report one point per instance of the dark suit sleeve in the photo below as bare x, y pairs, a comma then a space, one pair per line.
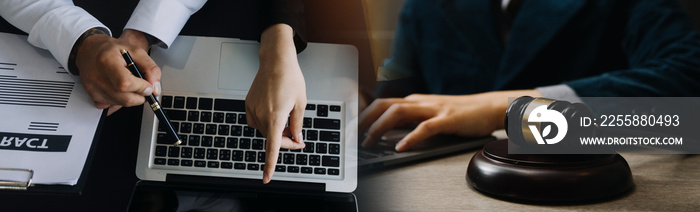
663, 54
288, 12
398, 74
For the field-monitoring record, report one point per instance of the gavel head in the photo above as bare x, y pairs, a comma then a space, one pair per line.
545, 121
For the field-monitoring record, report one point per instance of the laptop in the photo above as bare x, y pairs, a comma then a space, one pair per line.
383, 154
205, 81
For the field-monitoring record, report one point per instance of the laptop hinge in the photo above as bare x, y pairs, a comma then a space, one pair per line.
255, 184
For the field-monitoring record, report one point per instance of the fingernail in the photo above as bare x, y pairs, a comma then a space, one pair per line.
158, 89
299, 138
266, 179
399, 146
148, 91
365, 143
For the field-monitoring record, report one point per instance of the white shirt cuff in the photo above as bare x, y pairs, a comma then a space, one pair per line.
60, 28
163, 19
559, 92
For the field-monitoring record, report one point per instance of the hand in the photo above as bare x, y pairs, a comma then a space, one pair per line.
105, 77
465, 115
140, 40
136, 38
278, 91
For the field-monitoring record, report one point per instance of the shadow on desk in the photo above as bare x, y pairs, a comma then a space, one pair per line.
663, 183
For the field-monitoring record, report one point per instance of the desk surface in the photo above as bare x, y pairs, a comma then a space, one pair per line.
663, 183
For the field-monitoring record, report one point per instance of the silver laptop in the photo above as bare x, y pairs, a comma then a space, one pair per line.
205, 81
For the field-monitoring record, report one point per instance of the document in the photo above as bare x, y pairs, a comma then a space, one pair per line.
47, 121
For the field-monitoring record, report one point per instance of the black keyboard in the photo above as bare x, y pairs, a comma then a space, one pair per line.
215, 135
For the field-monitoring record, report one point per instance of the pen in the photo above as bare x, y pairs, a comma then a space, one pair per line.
152, 100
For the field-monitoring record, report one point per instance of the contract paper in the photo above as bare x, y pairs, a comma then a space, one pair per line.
47, 121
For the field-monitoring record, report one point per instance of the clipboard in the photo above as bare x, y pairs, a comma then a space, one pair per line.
55, 138
26, 185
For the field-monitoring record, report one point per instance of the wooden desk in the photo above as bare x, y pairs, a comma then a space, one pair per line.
663, 183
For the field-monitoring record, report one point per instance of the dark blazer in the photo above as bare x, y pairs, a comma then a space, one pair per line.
244, 19
597, 47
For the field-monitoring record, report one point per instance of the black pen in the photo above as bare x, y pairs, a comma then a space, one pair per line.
152, 100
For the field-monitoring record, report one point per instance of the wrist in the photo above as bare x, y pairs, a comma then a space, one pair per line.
499, 102
277, 43
138, 39
78, 46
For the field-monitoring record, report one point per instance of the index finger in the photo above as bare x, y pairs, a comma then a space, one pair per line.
121, 78
424, 130
374, 111
394, 116
272, 148
150, 70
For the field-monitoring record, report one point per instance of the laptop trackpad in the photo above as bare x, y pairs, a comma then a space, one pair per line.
238, 65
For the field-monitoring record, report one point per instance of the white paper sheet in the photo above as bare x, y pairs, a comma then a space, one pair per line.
47, 121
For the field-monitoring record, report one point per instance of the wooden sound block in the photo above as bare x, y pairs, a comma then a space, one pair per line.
548, 179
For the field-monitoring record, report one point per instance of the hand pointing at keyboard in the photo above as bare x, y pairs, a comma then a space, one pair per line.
277, 93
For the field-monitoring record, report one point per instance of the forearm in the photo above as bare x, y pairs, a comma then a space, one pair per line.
72, 58
277, 43
559, 92
24, 14
139, 39
52, 25
289, 12
162, 19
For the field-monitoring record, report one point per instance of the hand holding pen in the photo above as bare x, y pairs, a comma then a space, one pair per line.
152, 101
102, 71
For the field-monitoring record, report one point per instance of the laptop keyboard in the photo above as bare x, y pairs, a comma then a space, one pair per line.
215, 137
